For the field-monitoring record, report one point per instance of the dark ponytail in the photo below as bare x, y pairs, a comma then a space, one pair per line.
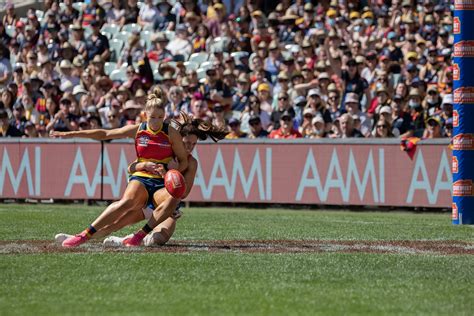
186, 125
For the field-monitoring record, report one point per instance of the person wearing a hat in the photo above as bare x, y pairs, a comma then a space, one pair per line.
235, 132
318, 127
130, 112
306, 128
285, 130
140, 97
256, 128
382, 98
78, 91
240, 98
83, 124
433, 128
417, 112
447, 107
432, 101
97, 43
352, 106
158, 51
181, 44
315, 101
68, 81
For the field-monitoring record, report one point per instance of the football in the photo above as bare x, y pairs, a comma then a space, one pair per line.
175, 184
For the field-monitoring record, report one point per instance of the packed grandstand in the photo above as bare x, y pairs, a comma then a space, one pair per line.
286, 69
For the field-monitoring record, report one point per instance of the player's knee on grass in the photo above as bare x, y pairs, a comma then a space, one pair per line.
157, 238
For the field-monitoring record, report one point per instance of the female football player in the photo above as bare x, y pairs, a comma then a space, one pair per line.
155, 141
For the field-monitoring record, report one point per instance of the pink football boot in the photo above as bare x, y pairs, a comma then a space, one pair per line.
75, 241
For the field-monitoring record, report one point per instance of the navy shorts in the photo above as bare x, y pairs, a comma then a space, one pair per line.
151, 185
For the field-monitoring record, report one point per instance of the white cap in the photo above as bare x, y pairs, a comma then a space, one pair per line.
78, 89
317, 119
309, 111
314, 92
448, 98
386, 109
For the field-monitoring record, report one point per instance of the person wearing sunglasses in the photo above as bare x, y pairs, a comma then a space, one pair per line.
383, 129
283, 106
286, 129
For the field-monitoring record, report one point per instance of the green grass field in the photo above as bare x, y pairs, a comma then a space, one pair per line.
200, 282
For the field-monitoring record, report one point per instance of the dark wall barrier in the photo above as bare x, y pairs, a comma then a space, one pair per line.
369, 172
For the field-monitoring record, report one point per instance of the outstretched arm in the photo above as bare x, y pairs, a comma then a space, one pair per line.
101, 134
179, 149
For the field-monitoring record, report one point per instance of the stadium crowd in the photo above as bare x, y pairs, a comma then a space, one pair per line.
285, 69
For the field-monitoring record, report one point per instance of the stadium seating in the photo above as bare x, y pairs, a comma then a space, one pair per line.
109, 67
116, 47
199, 58
130, 28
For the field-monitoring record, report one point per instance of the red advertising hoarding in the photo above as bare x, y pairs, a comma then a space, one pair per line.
337, 173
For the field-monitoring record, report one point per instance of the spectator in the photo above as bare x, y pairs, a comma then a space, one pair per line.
164, 20
383, 129
30, 130
19, 121
131, 13
202, 40
176, 102
318, 127
63, 120
284, 106
97, 43
6, 129
116, 15
218, 116
320, 56
5, 67
347, 127
180, 45
306, 127
352, 107
286, 129
256, 128
240, 99
253, 109
433, 128
215, 91
93, 14
10, 17
235, 132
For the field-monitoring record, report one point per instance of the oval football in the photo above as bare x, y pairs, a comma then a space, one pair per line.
175, 184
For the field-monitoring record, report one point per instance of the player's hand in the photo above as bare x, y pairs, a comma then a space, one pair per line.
57, 134
149, 167
160, 169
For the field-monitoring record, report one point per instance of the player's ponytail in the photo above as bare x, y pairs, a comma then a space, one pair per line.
186, 125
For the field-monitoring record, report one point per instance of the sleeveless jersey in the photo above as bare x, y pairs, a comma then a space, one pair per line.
154, 146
